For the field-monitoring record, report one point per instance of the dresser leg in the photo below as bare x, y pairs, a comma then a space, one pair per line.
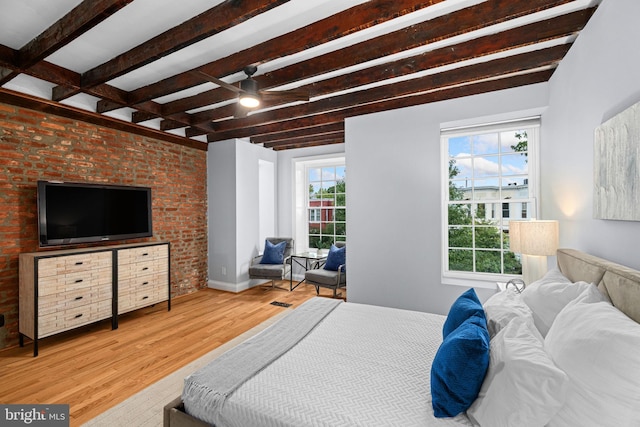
21, 340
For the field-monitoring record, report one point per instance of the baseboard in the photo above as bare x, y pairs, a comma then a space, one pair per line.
243, 286
229, 287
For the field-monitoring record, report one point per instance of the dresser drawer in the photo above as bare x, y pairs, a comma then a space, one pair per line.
69, 264
72, 299
159, 279
142, 268
73, 317
135, 255
131, 300
74, 281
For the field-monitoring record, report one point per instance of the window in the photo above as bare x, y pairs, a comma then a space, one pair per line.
314, 215
505, 210
490, 179
320, 202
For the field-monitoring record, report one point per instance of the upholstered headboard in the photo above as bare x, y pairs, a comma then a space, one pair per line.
621, 284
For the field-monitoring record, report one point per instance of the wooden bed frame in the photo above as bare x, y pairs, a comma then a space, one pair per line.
621, 284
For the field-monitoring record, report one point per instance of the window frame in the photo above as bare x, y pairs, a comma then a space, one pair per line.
301, 195
478, 279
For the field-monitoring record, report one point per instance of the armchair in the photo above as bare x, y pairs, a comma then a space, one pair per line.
327, 277
269, 265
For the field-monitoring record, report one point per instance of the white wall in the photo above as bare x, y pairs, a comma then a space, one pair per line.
233, 174
599, 78
394, 203
221, 200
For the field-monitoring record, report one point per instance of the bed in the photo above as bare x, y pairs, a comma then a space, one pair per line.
562, 353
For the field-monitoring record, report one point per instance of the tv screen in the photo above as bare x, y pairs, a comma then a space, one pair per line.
71, 213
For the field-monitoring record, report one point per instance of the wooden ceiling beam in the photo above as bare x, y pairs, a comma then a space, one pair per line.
67, 79
385, 105
306, 144
50, 72
460, 22
302, 140
297, 133
79, 20
215, 20
417, 35
8, 56
549, 29
50, 107
334, 27
41, 70
458, 76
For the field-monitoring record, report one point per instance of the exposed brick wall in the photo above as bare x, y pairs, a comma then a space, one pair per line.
35, 146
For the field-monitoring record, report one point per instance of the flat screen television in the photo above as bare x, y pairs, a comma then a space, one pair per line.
71, 213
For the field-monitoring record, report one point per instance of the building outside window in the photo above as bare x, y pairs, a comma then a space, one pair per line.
490, 179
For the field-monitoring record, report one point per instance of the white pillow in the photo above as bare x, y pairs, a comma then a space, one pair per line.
523, 387
504, 306
590, 295
598, 348
548, 296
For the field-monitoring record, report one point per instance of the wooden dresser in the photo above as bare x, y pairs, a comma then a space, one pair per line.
142, 276
65, 289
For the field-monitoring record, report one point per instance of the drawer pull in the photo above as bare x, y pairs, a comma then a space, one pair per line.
145, 283
145, 268
78, 315
79, 298
145, 297
79, 263
145, 254
79, 281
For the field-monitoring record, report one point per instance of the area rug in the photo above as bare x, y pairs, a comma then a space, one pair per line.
144, 409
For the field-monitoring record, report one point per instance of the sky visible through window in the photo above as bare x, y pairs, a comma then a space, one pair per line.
487, 157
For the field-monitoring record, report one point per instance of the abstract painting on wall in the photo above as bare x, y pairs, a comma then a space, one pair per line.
617, 167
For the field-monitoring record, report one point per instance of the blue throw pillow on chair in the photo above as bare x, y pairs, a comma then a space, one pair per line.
273, 254
337, 257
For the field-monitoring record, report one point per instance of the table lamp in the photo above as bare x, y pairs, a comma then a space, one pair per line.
534, 240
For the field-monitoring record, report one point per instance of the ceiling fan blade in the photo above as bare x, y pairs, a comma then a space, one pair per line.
219, 82
287, 95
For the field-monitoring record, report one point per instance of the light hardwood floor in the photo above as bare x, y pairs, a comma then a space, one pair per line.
94, 368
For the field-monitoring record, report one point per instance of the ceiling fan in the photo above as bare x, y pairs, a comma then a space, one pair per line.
249, 93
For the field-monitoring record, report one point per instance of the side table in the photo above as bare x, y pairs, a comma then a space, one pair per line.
306, 260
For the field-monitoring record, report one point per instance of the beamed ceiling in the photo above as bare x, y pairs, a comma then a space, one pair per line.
143, 66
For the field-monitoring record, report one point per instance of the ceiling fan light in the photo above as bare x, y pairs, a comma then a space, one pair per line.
249, 96
249, 100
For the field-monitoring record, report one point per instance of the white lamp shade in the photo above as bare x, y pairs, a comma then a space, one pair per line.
514, 236
537, 237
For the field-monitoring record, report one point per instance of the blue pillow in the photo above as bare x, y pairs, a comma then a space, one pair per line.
273, 254
459, 368
337, 257
464, 307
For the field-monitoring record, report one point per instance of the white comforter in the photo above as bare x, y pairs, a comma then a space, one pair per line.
361, 366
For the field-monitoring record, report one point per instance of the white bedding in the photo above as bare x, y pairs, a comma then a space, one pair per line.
327, 379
